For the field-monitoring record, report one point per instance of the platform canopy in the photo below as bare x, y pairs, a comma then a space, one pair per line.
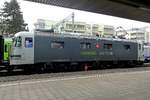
131, 9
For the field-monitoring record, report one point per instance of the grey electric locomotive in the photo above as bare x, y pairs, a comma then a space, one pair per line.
49, 49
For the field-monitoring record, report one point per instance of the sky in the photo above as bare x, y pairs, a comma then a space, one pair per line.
33, 11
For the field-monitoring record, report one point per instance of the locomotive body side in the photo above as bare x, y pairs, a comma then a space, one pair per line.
65, 49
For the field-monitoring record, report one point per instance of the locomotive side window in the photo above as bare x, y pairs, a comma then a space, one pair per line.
127, 47
108, 46
55, 44
84, 45
28, 42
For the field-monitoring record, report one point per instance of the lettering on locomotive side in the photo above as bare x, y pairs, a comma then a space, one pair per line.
88, 53
16, 57
105, 53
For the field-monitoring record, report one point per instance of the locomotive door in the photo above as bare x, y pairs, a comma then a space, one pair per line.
28, 51
7, 49
140, 52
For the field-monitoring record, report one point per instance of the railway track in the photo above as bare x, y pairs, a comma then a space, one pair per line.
19, 75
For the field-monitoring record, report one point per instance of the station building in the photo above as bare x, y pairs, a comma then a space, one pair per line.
78, 27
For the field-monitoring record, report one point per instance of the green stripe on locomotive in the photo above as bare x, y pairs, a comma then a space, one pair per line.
7, 49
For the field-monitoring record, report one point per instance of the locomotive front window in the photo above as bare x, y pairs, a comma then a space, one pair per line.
17, 41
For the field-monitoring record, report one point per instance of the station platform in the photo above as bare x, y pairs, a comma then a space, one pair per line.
111, 86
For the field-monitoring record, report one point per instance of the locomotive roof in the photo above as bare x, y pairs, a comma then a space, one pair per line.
24, 33
69, 35
73, 35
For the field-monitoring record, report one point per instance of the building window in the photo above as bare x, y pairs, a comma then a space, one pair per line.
56, 44
127, 47
84, 45
108, 46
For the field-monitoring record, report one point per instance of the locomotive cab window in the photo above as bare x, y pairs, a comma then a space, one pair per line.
108, 46
84, 45
28, 42
56, 44
17, 41
127, 47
